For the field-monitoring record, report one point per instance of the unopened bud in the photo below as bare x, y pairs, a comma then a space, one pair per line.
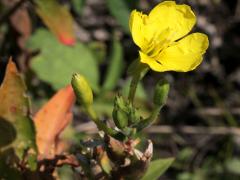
134, 116
119, 114
120, 118
82, 90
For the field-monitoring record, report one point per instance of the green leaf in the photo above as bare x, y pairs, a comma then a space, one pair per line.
105, 163
120, 10
17, 131
56, 63
115, 68
103, 107
78, 5
99, 50
157, 168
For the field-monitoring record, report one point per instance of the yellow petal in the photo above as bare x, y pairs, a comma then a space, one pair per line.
136, 25
168, 15
153, 64
184, 55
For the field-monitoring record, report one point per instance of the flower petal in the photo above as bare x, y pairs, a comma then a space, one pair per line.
168, 15
184, 55
153, 64
136, 25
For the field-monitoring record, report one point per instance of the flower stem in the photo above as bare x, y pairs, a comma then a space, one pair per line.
133, 86
139, 72
100, 125
148, 121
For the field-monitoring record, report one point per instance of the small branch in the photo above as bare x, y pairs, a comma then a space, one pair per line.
89, 127
165, 129
101, 125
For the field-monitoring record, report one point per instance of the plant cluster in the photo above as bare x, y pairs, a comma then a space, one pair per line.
32, 148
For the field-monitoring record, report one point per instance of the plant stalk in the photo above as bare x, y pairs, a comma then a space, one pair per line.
100, 125
133, 86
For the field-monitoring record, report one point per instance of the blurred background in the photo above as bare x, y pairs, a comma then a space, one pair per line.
199, 125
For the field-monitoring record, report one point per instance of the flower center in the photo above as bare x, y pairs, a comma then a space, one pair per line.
158, 43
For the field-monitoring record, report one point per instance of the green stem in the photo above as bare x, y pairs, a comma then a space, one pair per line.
100, 125
138, 73
133, 86
147, 122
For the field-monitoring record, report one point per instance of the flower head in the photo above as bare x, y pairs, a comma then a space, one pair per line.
161, 37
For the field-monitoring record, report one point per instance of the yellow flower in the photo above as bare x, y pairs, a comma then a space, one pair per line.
161, 38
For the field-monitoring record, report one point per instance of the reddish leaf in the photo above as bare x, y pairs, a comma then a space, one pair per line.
51, 120
58, 19
16, 127
12, 94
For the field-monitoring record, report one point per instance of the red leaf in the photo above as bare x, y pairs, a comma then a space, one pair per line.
52, 119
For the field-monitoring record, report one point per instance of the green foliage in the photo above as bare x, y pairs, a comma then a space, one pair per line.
78, 5
207, 117
56, 63
115, 67
157, 168
99, 50
161, 93
159, 99
233, 166
125, 115
140, 93
197, 175
120, 10
103, 107
120, 113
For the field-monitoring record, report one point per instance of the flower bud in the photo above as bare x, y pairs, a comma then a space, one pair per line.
120, 114
134, 116
120, 118
82, 90
161, 93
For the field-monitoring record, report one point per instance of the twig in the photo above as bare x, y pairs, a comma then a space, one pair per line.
89, 127
212, 111
11, 11
212, 130
166, 129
